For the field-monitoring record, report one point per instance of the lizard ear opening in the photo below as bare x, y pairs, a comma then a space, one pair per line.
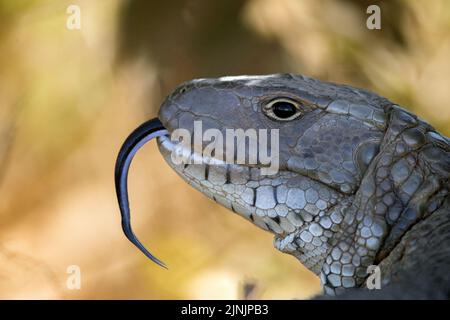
365, 153
144, 133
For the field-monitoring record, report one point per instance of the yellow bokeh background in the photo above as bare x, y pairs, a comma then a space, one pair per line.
68, 99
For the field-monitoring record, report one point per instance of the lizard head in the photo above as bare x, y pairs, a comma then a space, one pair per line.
327, 136
352, 179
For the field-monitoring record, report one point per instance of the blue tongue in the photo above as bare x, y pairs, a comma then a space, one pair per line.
144, 133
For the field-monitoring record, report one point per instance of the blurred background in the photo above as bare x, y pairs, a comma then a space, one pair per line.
68, 99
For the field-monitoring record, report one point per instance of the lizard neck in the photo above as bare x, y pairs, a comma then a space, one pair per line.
401, 205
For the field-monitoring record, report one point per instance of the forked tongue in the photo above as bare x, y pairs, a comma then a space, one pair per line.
144, 133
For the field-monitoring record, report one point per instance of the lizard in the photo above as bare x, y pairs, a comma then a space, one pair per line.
361, 182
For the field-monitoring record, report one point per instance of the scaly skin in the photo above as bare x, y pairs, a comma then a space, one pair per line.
361, 182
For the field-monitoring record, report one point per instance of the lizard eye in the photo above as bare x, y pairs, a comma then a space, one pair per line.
282, 109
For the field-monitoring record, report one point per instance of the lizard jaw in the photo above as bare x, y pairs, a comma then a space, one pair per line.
293, 207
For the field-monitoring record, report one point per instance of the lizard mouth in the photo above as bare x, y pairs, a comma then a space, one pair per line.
234, 186
286, 204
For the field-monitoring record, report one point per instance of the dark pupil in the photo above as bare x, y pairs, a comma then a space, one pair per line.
283, 109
